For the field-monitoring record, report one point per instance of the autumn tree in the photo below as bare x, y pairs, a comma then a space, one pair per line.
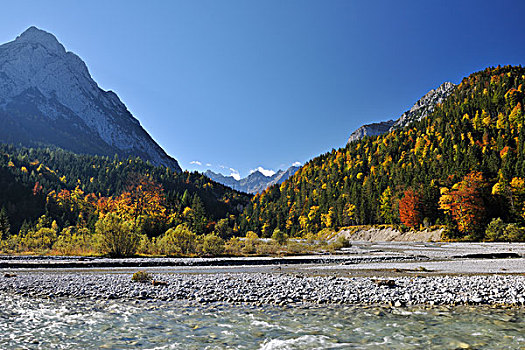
513, 193
465, 204
143, 203
410, 209
386, 206
328, 218
349, 214
250, 242
223, 229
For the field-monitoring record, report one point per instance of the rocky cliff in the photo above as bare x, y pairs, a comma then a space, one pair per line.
48, 98
423, 107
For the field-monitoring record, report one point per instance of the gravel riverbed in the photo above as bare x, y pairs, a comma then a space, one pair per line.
277, 288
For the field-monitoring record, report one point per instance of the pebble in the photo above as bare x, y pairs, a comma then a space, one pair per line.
267, 288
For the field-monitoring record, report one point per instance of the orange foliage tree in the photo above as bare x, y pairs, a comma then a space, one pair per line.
464, 202
410, 209
144, 203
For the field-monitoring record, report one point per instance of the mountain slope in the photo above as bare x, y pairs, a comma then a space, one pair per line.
472, 146
253, 183
423, 107
30, 177
47, 97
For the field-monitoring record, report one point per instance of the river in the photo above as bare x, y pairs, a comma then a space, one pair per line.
36, 323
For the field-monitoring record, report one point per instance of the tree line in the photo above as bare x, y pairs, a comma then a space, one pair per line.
48, 195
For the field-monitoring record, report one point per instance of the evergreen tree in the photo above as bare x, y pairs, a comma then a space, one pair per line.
5, 227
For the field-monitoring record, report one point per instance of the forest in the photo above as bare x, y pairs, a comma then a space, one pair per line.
461, 167
48, 195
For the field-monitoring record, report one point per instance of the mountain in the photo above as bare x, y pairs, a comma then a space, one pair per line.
256, 182
423, 107
281, 176
373, 129
461, 166
48, 98
225, 180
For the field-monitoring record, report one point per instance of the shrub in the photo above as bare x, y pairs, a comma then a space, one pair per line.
251, 242
294, 247
212, 245
118, 237
146, 245
39, 240
223, 229
344, 242
340, 242
279, 237
311, 238
495, 230
233, 246
73, 241
271, 248
325, 233
178, 241
142, 277
513, 233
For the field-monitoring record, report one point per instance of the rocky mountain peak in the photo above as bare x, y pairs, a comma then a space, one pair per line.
38, 36
423, 107
253, 183
373, 129
48, 97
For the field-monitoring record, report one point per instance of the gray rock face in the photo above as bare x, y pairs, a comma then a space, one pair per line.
373, 129
47, 97
423, 107
253, 183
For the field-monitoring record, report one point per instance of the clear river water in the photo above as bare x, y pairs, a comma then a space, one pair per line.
28, 323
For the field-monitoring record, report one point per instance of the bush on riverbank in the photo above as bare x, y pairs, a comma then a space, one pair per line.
118, 237
497, 230
142, 277
178, 241
212, 245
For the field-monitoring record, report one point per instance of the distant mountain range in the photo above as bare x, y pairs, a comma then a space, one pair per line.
256, 182
419, 110
48, 98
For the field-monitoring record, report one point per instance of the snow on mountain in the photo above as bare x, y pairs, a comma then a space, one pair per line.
423, 107
47, 97
256, 182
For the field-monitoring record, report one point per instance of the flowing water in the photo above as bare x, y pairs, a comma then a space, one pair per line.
72, 324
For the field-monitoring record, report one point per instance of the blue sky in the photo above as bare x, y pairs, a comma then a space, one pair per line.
247, 84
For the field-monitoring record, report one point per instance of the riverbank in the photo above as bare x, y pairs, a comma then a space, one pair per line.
393, 273
278, 288
385, 233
